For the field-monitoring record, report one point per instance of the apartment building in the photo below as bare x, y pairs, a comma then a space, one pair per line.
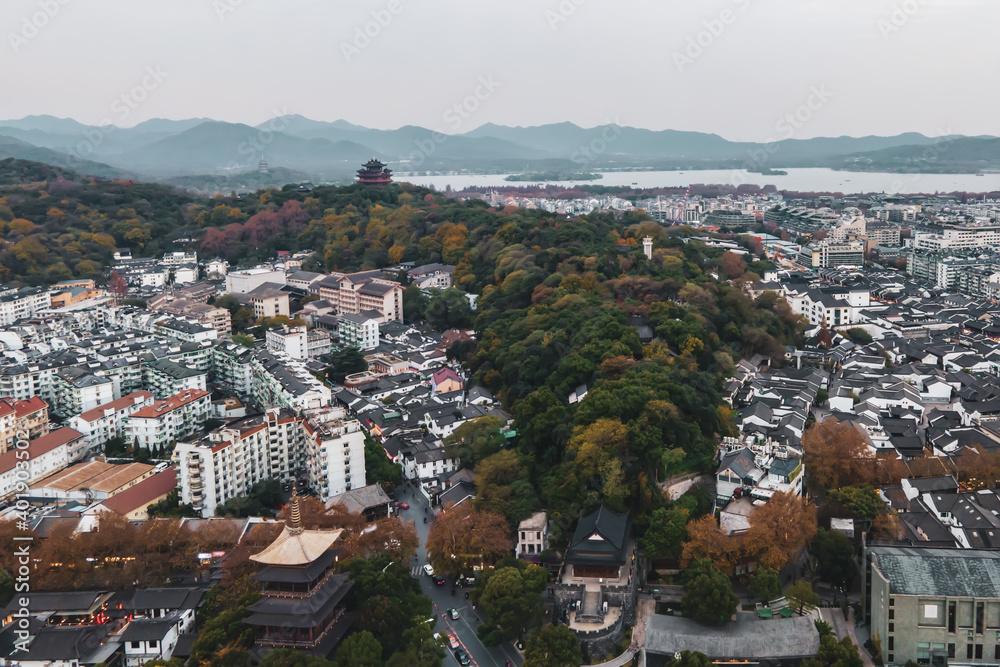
298, 343
232, 368
360, 292
28, 418
532, 537
279, 381
166, 378
46, 455
160, 424
17, 304
334, 452
269, 301
227, 462
959, 237
359, 330
77, 389
106, 422
429, 276
218, 319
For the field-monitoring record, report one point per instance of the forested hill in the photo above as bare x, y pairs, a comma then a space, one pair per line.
556, 298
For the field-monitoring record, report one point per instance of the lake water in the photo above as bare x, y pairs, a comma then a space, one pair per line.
803, 180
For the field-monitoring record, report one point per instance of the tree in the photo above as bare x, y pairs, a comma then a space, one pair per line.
834, 556
6, 586
503, 486
461, 537
287, 657
862, 501
118, 287
835, 654
246, 340
837, 455
779, 529
707, 541
708, 594
824, 337
514, 602
765, 584
665, 536
802, 593
477, 439
359, 650
554, 646
346, 361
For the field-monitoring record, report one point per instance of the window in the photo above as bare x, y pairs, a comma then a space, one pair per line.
891, 647
135, 645
892, 614
892, 602
951, 617
980, 612
996, 652
892, 627
968, 652
979, 651
951, 650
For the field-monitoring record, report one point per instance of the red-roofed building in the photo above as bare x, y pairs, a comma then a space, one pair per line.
30, 417
159, 425
46, 455
445, 380
133, 503
107, 421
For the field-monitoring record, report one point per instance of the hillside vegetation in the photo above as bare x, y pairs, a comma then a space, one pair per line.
556, 298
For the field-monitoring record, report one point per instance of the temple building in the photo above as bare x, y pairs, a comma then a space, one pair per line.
301, 605
262, 166
374, 173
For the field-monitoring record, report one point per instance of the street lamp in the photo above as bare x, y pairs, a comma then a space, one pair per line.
387, 566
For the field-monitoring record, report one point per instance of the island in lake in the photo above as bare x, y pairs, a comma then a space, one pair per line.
765, 171
541, 176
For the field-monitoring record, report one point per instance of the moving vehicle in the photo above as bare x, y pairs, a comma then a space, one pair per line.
429, 570
439, 581
453, 614
462, 657
453, 640
403, 506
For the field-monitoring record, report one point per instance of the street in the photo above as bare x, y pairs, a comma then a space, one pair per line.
465, 627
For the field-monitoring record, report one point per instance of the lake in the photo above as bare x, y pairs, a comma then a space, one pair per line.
803, 180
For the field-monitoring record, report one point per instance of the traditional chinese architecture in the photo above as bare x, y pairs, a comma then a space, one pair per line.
374, 173
301, 606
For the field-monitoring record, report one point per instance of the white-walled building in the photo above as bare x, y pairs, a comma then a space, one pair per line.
298, 343
16, 304
106, 421
163, 422
242, 282
358, 330
46, 455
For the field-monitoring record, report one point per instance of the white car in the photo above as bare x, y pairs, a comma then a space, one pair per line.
428, 570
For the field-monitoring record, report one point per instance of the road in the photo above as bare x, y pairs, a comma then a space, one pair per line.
465, 627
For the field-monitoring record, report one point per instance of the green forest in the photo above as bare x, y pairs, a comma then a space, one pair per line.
559, 301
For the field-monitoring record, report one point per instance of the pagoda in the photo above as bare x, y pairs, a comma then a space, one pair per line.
301, 605
374, 173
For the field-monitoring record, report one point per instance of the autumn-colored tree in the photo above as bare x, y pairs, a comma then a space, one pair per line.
391, 535
462, 537
824, 337
706, 540
118, 287
779, 529
733, 265
837, 455
888, 526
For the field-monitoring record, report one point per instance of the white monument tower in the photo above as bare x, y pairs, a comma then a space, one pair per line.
647, 247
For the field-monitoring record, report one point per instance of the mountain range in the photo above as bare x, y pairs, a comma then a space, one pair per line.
201, 152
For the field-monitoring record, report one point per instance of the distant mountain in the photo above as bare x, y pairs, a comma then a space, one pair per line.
216, 146
331, 151
11, 147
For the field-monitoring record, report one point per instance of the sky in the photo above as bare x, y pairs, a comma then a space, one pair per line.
736, 68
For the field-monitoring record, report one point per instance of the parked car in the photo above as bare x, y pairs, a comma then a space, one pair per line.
429, 570
462, 657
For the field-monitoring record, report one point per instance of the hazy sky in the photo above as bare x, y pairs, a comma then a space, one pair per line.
866, 66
